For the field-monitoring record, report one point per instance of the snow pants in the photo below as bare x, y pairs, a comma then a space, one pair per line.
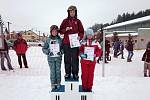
71, 60
3, 55
130, 54
24, 60
87, 74
55, 71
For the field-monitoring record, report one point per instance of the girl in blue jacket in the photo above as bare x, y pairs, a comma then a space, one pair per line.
53, 49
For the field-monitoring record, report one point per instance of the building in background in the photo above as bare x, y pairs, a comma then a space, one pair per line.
139, 29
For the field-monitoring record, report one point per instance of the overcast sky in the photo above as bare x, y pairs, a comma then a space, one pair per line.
41, 14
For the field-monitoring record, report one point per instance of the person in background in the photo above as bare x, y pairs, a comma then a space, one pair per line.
129, 48
121, 50
107, 48
20, 46
146, 59
4, 53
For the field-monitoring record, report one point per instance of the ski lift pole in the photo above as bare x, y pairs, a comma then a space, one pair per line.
103, 64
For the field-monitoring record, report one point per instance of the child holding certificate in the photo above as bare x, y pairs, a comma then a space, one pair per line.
89, 50
73, 31
53, 49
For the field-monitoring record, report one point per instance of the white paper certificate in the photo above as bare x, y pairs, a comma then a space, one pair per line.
54, 48
74, 42
90, 53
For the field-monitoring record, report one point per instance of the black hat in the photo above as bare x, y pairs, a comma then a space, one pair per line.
54, 27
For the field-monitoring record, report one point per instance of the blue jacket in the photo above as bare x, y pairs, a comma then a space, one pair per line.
46, 47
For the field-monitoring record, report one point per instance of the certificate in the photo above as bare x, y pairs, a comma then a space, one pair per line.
74, 42
54, 48
89, 51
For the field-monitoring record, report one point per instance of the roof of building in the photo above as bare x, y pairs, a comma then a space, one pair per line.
138, 20
124, 34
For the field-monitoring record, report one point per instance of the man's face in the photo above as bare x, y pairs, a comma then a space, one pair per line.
19, 37
72, 13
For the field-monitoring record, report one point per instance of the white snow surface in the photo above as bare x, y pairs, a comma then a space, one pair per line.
122, 81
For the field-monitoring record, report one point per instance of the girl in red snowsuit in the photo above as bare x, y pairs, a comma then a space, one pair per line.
88, 65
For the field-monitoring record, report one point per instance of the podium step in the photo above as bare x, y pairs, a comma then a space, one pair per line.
81, 90
60, 89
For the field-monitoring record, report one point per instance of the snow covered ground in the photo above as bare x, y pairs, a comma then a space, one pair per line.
122, 81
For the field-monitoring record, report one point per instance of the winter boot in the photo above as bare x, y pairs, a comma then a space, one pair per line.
106, 61
26, 66
20, 66
11, 68
4, 69
122, 58
89, 90
67, 76
75, 77
98, 60
128, 60
145, 75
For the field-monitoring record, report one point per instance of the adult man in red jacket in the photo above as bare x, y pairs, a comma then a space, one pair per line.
71, 25
20, 46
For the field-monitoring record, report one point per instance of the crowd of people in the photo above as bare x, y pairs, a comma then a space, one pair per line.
90, 48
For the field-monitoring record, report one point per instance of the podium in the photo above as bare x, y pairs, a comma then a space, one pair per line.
71, 85
71, 91
58, 94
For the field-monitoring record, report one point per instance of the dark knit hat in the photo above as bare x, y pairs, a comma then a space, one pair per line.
72, 8
19, 34
54, 27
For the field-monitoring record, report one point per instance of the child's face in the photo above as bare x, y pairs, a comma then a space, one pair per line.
148, 48
72, 13
90, 36
54, 32
19, 37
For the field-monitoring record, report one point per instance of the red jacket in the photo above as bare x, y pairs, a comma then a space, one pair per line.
76, 28
97, 50
20, 46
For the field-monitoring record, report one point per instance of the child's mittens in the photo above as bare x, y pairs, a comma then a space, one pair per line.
59, 53
83, 56
51, 54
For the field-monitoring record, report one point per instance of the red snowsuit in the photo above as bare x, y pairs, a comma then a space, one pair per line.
88, 66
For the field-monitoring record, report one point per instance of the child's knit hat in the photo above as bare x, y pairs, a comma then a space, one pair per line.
54, 27
89, 32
